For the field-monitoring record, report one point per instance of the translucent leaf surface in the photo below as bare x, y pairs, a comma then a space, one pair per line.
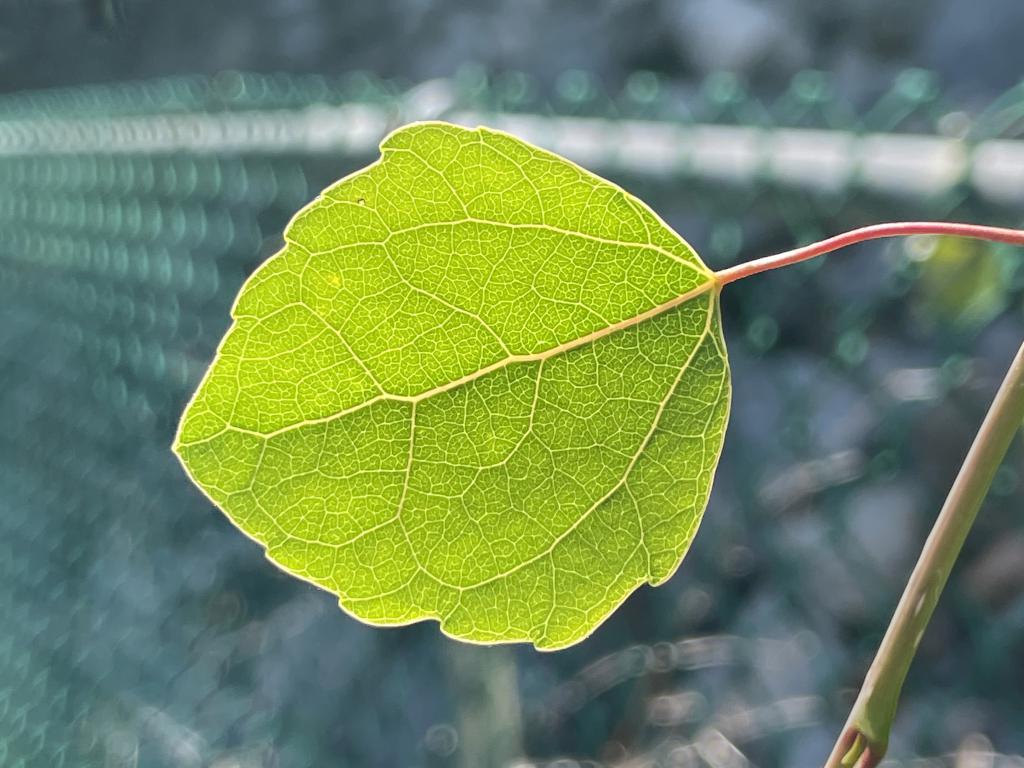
478, 385
961, 282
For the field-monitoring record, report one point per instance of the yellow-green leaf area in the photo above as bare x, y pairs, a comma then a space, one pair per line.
478, 385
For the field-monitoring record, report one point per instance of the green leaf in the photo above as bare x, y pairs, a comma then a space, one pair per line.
960, 282
478, 385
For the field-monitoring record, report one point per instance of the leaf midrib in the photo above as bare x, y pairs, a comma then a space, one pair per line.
600, 333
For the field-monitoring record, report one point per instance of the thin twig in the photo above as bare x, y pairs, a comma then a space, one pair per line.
865, 738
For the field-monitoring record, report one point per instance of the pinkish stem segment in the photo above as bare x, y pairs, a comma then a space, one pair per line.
874, 232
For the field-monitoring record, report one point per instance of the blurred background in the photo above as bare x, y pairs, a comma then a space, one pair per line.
151, 153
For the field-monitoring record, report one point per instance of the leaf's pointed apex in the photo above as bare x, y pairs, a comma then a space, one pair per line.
478, 385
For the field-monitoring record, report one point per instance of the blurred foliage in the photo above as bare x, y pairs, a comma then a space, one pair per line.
962, 282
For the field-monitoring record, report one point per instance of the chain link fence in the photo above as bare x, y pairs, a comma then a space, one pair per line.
137, 628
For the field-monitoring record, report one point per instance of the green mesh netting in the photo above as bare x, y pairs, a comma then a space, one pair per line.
137, 628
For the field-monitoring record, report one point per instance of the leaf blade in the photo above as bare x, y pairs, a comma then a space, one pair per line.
484, 521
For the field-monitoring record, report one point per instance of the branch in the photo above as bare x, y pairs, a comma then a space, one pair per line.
866, 736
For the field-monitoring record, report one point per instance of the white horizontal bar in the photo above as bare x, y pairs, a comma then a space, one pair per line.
819, 160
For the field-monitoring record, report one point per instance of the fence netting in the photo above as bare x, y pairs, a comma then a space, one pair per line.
138, 628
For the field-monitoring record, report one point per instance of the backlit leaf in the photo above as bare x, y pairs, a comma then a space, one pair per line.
478, 385
960, 282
